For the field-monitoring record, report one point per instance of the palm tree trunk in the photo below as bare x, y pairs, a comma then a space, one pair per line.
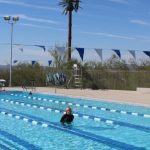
69, 35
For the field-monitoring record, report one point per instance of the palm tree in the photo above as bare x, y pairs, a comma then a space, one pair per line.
69, 6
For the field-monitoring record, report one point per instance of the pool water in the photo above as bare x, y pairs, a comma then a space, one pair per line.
33, 122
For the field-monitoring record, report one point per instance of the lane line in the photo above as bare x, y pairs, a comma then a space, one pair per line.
74, 131
95, 118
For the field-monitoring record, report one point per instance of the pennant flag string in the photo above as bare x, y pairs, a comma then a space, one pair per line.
99, 52
41, 46
50, 46
132, 52
21, 49
49, 62
147, 53
60, 49
33, 62
117, 52
81, 52
15, 61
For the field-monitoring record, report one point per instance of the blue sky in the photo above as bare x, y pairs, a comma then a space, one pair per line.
106, 24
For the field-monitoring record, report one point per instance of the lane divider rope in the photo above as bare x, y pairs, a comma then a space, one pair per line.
72, 130
85, 106
76, 114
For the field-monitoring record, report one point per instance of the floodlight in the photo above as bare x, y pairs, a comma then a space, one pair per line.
11, 20
7, 18
16, 18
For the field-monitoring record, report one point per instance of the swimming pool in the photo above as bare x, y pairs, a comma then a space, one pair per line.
32, 122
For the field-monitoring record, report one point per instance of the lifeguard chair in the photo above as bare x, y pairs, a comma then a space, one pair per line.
2, 84
76, 76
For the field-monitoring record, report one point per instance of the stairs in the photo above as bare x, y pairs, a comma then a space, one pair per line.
77, 75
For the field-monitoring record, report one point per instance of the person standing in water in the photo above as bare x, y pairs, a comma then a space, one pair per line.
67, 117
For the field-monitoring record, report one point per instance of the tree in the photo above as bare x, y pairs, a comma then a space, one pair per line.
59, 58
115, 63
69, 6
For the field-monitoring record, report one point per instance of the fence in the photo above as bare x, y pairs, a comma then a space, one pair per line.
94, 79
121, 80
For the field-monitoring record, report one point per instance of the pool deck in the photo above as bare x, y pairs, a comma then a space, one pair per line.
139, 97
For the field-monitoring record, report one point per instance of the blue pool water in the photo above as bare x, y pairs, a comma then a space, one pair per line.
32, 122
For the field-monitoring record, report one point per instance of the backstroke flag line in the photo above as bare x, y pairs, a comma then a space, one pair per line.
132, 52
41, 46
61, 50
21, 49
117, 52
49, 62
15, 61
99, 52
33, 62
81, 52
147, 53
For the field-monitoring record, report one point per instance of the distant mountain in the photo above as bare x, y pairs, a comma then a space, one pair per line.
4, 67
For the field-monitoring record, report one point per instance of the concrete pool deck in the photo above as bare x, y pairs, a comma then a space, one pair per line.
139, 97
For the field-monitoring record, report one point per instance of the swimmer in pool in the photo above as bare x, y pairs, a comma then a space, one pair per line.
30, 93
67, 117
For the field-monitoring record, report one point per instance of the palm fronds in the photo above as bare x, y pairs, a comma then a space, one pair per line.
70, 5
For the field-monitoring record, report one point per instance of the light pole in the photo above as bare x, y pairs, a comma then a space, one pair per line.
11, 20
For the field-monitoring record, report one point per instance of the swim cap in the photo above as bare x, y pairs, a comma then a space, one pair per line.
68, 109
